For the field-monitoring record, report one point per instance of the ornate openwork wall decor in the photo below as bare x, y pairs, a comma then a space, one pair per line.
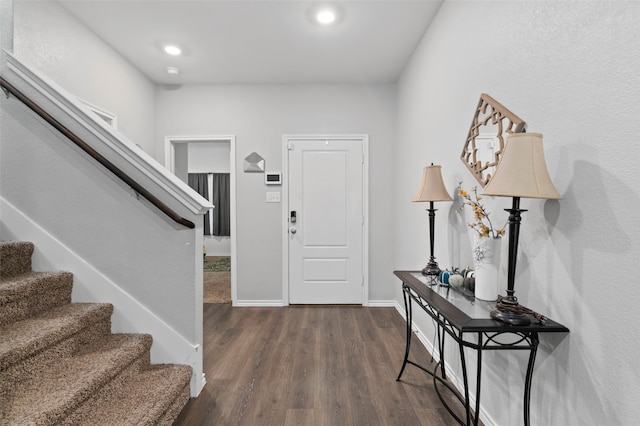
485, 141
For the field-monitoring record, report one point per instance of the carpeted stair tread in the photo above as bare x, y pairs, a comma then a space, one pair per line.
32, 283
49, 397
148, 397
31, 293
61, 365
30, 336
15, 257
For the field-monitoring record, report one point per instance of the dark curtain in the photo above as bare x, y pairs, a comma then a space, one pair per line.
200, 183
221, 200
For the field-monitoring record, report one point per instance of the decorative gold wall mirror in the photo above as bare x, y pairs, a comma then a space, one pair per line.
492, 122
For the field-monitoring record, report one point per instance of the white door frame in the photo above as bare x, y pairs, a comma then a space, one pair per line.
170, 143
362, 138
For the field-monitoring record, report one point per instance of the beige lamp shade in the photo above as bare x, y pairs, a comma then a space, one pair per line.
522, 170
432, 187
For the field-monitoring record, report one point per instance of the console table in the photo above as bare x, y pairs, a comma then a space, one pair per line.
467, 320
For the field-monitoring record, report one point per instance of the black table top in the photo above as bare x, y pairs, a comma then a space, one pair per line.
466, 313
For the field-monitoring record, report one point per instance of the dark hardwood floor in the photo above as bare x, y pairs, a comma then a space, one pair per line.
311, 365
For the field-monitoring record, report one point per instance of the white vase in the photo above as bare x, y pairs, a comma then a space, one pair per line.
486, 260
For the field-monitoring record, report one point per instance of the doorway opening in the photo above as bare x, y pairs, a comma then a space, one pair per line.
209, 155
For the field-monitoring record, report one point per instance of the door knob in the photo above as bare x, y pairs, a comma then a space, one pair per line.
293, 230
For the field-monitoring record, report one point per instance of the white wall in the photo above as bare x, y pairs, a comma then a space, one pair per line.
570, 70
6, 26
258, 115
47, 37
209, 157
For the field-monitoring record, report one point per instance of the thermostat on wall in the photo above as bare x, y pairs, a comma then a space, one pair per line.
273, 178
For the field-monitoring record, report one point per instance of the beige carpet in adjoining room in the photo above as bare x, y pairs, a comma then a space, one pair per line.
217, 280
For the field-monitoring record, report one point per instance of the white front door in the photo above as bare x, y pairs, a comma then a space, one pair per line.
326, 220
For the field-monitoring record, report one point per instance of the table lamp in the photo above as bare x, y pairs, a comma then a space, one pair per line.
432, 189
521, 172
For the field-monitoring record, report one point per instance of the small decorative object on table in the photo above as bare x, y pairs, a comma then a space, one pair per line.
456, 280
470, 281
444, 277
486, 249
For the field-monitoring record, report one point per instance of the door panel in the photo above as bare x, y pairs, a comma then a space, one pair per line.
326, 240
324, 198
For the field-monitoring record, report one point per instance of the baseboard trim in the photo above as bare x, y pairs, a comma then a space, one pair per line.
382, 303
280, 303
259, 303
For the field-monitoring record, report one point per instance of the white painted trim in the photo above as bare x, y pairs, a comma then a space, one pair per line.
365, 210
90, 285
109, 117
285, 220
61, 104
364, 138
261, 303
382, 303
169, 158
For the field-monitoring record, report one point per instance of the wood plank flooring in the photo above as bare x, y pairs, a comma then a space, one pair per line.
311, 365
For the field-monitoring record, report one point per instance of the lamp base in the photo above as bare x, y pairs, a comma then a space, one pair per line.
509, 311
432, 268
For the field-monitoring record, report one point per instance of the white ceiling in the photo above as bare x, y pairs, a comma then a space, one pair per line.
265, 41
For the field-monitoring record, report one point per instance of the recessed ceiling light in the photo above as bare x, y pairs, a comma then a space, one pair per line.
172, 49
326, 16
173, 70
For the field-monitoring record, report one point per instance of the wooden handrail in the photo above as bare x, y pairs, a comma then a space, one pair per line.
9, 88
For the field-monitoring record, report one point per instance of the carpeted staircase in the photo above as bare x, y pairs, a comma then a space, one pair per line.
60, 363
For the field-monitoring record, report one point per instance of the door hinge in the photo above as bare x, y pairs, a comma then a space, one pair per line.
290, 146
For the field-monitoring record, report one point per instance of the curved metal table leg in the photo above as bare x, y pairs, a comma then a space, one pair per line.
529, 377
478, 380
408, 314
441, 336
450, 388
465, 380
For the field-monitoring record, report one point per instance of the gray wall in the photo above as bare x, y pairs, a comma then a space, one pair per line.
570, 70
259, 115
6, 26
50, 39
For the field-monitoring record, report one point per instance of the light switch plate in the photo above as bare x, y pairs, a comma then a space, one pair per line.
273, 197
